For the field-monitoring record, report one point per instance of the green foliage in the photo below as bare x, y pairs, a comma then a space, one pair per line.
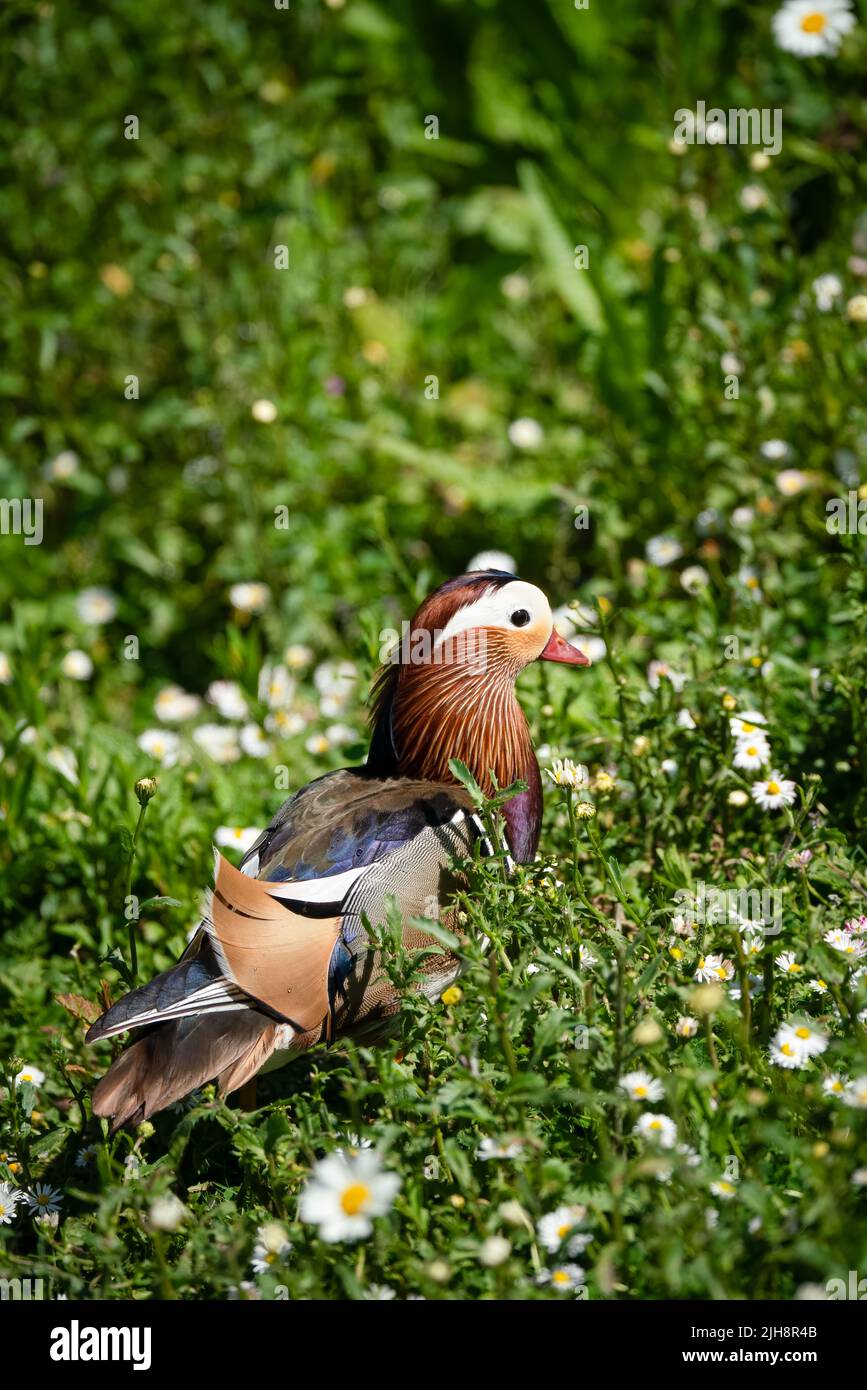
410, 259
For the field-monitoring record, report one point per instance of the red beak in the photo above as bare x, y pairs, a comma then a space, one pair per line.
558, 649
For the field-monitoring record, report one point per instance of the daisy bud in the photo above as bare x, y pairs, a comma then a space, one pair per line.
145, 788
647, 1032
707, 999
494, 1251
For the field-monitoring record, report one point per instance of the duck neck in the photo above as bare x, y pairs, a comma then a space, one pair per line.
431, 714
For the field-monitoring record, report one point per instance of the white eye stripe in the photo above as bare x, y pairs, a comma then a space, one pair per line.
495, 609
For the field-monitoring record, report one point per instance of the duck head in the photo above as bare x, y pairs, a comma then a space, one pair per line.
448, 691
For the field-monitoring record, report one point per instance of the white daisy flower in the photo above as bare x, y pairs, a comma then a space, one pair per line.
5, 669
743, 517
774, 792
640, 1085
856, 309
834, 1085
218, 741
694, 578
663, 550
724, 1188
685, 719
167, 1213
276, 687
345, 1192
297, 656
818, 986
774, 449
686, 1027
63, 465
249, 597
77, 665
174, 706
565, 773
492, 560
658, 1128
526, 433
9, 1199
752, 197
796, 1043
856, 1093
285, 723
669, 766
236, 837
586, 956
335, 679
499, 1148
788, 1056
791, 481
96, 606
787, 963
271, 1247
253, 741
594, 648
713, 969
752, 752
264, 412
228, 699
748, 724
563, 1278
658, 671
31, 1074
43, 1200
161, 745
827, 289
339, 735
318, 745
813, 28
86, 1155
553, 1228
846, 943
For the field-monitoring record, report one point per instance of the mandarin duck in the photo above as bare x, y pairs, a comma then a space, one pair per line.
282, 958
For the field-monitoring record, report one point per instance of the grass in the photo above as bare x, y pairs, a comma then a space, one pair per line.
430, 301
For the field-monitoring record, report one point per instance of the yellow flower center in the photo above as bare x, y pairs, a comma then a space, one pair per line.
655, 1124
640, 1092
725, 1187
721, 972
773, 788
814, 23
354, 1198
802, 1032
26, 1076
748, 728
788, 1049
560, 1277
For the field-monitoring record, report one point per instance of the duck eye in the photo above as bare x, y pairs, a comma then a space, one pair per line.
520, 617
